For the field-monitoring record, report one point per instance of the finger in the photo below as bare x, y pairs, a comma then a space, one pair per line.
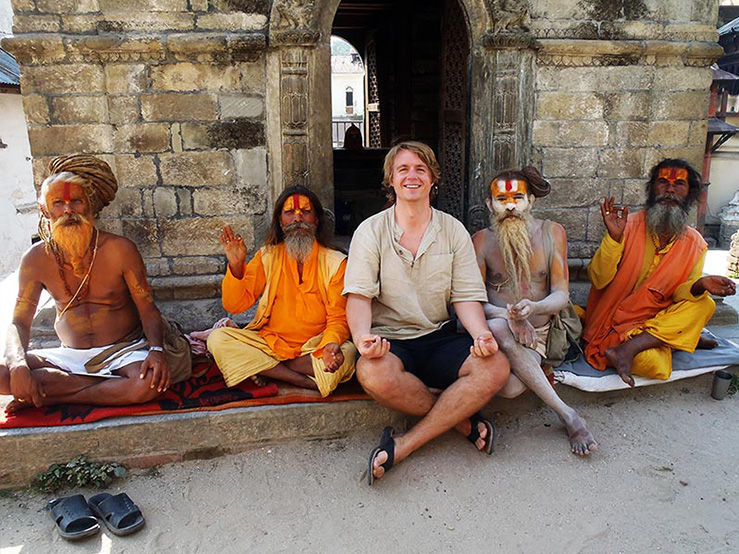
144, 369
624, 212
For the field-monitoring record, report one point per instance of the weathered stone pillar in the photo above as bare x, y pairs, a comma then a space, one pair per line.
502, 112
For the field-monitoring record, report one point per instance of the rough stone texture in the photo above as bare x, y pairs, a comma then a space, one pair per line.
143, 137
195, 169
74, 138
179, 107
79, 109
202, 234
177, 96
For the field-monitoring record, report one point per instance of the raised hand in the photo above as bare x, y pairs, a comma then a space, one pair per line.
235, 249
614, 217
333, 357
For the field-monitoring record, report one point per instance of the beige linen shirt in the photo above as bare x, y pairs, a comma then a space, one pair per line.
412, 296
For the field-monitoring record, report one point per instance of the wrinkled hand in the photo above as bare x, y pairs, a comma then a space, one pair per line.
718, 285
373, 346
161, 374
523, 332
25, 387
522, 310
333, 357
484, 345
614, 217
234, 247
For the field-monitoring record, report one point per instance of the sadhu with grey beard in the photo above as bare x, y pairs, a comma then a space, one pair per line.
649, 296
116, 349
299, 333
526, 286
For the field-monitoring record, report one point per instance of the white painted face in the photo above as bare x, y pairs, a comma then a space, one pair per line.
509, 195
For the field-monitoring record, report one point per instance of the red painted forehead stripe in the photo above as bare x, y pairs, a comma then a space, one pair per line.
510, 185
67, 194
296, 201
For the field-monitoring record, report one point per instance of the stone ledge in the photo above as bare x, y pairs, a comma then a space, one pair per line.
225, 47
152, 440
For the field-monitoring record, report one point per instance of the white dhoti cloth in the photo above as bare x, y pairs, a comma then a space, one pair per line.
73, 360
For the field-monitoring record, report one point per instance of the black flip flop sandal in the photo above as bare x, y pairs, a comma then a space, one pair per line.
73, 518
475, 433
119, 514
387, 444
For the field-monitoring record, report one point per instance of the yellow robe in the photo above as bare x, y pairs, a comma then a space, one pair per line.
678, 324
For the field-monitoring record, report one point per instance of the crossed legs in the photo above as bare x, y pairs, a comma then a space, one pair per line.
526, 372
389, 384
61, 387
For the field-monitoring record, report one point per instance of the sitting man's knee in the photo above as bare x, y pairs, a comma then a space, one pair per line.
140, 391
495, 372
375, 377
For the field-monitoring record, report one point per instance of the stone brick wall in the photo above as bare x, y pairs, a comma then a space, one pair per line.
178, 97
620, 85
171, 93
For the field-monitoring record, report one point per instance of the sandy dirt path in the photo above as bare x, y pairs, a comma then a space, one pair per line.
666, 479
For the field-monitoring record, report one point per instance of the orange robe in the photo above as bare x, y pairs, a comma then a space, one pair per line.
293, 310
648, 293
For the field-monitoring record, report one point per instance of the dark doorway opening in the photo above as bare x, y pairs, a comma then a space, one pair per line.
416, 59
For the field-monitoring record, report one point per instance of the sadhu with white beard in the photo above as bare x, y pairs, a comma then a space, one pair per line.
527, 283
116, 348
299, 333
649, 296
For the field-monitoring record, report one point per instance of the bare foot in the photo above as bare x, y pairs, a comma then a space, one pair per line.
15, 406
259, 381
704, 343
582, 441
621, 361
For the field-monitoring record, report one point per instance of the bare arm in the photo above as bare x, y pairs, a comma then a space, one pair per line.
473, 319
151, 319
23, 385
359, 317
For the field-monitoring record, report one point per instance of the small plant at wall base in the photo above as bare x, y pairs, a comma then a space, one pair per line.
78, 472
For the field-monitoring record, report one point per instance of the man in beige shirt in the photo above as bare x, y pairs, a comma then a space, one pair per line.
407, 266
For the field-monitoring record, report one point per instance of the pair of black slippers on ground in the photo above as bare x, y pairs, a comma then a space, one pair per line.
76, 519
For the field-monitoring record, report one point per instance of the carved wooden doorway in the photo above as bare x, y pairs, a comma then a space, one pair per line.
453, 110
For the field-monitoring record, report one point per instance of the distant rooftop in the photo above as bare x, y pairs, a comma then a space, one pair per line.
9, 72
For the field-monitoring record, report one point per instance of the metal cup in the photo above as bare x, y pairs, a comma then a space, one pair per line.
721, 382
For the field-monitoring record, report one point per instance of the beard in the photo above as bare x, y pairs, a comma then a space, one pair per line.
72, 234
299, 239
666, 219
514, 242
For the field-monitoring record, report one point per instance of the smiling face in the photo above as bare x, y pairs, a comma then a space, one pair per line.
509, 198
411, 177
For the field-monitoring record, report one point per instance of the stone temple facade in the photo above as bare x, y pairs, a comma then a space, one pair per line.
207, 109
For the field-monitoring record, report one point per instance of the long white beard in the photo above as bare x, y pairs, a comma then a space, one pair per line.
299, 239
514, 242
665, 220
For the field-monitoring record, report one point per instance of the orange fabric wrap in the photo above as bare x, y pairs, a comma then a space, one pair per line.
618, 308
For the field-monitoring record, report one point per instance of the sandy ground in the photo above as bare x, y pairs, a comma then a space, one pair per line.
665, 480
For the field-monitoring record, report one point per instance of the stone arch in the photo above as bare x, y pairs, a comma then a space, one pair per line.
299, 98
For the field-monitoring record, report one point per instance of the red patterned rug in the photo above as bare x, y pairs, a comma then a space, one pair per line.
205, 391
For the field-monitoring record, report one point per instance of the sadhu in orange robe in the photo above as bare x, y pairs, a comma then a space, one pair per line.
638, 288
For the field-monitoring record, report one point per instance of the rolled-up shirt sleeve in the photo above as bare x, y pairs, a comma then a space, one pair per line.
467, 285
363, 266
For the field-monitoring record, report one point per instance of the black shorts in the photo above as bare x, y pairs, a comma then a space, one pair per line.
434, 358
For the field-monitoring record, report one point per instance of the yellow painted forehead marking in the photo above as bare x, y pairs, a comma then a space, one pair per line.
508, 187
296, 203
673, 174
